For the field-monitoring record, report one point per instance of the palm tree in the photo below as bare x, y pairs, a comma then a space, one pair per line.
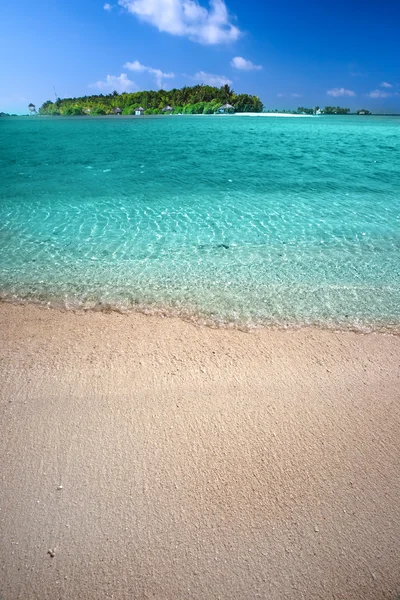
227, 91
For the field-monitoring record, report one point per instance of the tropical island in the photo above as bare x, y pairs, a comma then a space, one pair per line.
328, 110
195, 100
199, 99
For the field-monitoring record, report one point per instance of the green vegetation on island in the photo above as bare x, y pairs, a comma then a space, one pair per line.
199, 99
328, 110
334, 110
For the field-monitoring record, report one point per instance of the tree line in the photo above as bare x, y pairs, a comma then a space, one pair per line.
199, 99
329, 110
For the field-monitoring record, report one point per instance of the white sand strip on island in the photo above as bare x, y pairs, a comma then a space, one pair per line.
144, 457
267, 114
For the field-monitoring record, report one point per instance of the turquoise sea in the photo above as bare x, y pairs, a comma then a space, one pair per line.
227, 220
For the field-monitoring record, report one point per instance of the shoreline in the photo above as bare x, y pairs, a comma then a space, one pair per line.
147, 457
266, 114
200, 319
119, 117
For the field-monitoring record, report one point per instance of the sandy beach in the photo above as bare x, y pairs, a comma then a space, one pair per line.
144, 457
271, 114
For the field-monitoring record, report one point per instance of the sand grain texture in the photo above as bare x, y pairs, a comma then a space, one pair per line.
196, 463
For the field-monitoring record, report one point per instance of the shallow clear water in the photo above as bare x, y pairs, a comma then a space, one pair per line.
253, 221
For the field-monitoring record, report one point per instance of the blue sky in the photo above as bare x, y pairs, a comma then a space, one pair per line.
289, 53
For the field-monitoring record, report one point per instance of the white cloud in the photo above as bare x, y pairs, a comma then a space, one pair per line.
13, 98
158, 74
209, 79
244, 65
107, 7
294, 95
385, 84
186, 18
120, 83
378, 94
336, 92
358, 74
355, 70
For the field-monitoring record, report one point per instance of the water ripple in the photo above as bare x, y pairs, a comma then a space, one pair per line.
296, 224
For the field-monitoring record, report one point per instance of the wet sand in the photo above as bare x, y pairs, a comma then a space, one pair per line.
144, 457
